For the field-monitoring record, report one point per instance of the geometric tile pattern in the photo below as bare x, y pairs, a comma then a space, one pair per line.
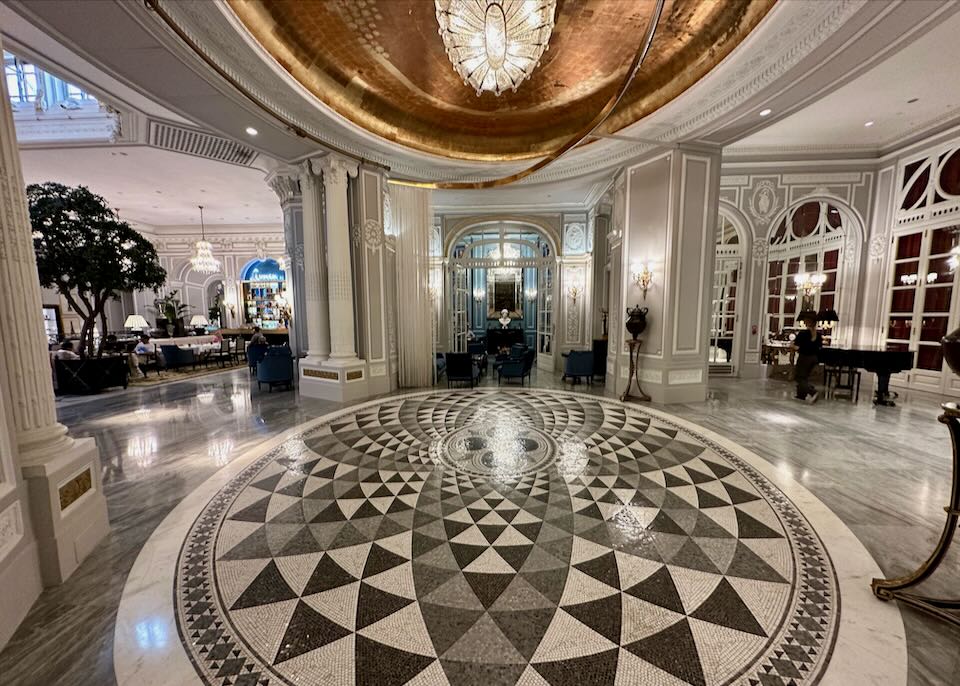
582, 542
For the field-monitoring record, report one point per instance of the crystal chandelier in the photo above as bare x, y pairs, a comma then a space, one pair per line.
809, 283
203, 260
495, 44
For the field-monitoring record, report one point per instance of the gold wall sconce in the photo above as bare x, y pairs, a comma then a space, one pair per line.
531, 294
575, 291
478, 294
642, 276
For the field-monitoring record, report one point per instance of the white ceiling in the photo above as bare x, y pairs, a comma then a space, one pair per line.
159, 187
926, 69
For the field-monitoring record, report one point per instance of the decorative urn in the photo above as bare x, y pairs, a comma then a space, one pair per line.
951, 350
636, 320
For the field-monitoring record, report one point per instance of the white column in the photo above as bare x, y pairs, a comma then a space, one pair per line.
46, 453
339, 281
315, 263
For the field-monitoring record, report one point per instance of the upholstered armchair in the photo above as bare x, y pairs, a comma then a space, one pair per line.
276, 368
516, 368
460, 367
578, 365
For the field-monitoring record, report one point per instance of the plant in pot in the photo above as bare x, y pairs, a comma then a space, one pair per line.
87, 253
170, 313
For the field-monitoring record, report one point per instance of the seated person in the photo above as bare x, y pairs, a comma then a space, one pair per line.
66, 352
258, 338
143, 350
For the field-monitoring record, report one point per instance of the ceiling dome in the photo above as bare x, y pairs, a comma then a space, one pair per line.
382, 65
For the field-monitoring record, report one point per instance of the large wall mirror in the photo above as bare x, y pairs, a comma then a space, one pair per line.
505, 292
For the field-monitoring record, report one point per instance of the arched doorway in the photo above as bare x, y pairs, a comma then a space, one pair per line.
503, 266
726, 296
263, 290
811, 256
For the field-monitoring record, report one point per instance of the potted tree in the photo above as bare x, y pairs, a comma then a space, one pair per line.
88, 255
170, 313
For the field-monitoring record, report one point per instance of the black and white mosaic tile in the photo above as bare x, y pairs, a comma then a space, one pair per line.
498, 538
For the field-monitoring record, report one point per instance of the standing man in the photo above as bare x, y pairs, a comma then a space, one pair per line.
807, 345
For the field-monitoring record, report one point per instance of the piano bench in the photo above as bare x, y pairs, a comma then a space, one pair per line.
834, 381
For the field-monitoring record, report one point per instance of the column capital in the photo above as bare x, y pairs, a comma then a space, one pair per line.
336, 169
285, 182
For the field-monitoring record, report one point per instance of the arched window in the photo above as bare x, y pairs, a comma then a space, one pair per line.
804, 262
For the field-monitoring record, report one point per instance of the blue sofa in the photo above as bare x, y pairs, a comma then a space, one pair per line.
175, 357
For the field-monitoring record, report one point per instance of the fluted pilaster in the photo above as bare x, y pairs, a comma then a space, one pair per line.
315, 263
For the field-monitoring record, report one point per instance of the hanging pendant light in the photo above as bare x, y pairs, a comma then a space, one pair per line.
203, 260
495, 44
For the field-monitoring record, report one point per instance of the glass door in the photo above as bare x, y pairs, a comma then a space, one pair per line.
920, 303
723, 317
461, 304
545, 318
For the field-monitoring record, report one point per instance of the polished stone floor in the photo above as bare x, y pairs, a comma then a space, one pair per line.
884, 471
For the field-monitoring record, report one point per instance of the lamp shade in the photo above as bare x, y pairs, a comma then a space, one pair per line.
135, 321
198, 320
828, 316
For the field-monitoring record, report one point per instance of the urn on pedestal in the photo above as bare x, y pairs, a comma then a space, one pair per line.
636, 320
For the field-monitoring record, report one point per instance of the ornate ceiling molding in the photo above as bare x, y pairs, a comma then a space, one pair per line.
790, 32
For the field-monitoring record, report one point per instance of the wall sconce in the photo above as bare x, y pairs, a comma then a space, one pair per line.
531, 294
478, 294
575, 291
642, 276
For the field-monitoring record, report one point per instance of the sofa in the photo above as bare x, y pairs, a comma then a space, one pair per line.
91, 375
175, 357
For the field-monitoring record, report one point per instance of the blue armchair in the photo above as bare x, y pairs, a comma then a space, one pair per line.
441, 365
276, 368
460, 367
478, 350
578, 365
516, 368
255, 353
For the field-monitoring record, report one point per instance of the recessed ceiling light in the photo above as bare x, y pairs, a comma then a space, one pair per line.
764, 113
869, 123
251, 131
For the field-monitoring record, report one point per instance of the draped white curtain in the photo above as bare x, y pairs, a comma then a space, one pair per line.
412, 218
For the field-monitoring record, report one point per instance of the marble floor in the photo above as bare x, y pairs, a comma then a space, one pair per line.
882, 471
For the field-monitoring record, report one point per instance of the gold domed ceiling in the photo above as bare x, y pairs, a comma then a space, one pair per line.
382, 65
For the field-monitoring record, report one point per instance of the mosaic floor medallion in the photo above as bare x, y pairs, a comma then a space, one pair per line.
484, 537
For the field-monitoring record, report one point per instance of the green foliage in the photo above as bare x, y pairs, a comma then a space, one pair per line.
170, 307
86, 252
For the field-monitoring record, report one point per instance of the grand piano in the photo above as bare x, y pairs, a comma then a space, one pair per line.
880, 361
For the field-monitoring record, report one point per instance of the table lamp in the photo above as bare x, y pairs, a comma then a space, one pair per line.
135, 321
198, 321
